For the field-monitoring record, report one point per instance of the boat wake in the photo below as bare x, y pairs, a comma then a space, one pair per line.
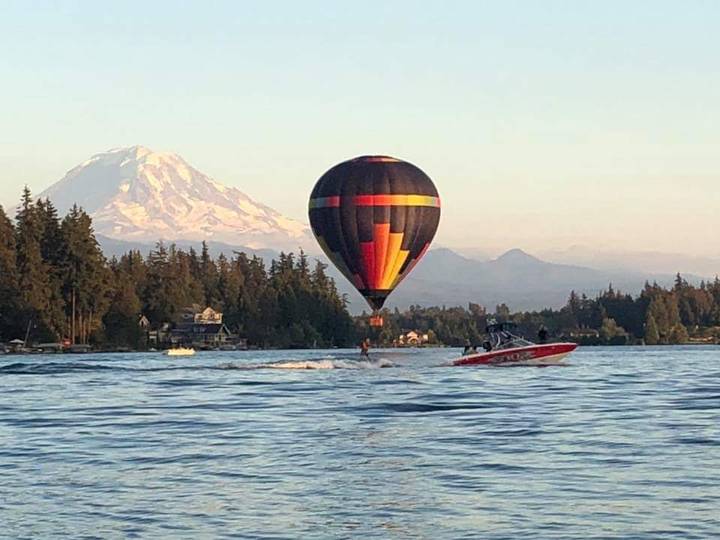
56, 368
31, 368
324, 363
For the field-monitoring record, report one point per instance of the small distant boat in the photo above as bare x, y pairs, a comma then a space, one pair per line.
181, 351
506, 349
79, 348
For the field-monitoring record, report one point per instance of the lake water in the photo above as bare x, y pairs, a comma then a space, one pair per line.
620, 443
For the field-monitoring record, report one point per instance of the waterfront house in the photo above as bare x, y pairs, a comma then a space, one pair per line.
144, 323
159, 337
49, 347
198, 327
203, 329
80, 348
208, 316
198, 315
16, 346
412, 339
201, 335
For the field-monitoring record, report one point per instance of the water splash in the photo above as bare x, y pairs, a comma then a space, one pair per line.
322, 363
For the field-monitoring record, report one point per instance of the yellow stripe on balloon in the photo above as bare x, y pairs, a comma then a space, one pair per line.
421, 200
402, 256
393, 199
387, 199
392, 254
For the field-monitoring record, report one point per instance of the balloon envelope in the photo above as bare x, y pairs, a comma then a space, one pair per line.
374, 216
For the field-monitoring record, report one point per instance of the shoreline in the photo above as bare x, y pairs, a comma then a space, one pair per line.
163, 352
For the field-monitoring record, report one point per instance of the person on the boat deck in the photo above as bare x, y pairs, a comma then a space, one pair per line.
487, 346
542, 334
365, 347
468, 347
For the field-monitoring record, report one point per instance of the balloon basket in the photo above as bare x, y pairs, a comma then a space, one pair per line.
376, 321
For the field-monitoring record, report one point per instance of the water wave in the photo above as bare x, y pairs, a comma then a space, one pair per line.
621, 444
30, 368
55, 368
323, 363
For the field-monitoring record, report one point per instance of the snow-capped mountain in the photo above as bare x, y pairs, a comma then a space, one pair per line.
140, 195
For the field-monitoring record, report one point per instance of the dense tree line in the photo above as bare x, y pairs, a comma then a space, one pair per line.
656, 316
56, 284
54, 281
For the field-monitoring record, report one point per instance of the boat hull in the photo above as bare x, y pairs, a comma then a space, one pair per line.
180, 352
534, 355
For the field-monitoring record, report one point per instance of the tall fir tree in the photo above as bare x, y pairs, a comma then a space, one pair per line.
652, 336
10, 301
52, 248
34, 275
157, 295
87, 287
122, 318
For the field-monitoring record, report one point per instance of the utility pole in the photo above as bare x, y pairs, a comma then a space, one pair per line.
27, 333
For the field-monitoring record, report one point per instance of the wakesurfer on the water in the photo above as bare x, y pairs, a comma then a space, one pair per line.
365, 347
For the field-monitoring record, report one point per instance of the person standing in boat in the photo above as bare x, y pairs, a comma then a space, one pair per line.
542, 334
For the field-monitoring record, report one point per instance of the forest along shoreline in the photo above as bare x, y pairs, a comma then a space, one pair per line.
59, 293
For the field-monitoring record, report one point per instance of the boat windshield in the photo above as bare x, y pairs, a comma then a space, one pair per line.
515, 342
502, 339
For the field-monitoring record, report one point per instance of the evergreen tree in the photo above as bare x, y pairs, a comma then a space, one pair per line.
502, 312
609, 329
34, 275
159, 305
123, 315
54, 276
652, 336
209, 277
87, 287
229, 284
678, 335
52, 248
10, 301
189, 289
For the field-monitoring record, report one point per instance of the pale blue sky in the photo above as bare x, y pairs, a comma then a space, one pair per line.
543, 124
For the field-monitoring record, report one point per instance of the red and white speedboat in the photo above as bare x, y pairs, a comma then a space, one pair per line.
506, 349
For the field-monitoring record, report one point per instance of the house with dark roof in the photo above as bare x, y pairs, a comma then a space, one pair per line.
201, 335
203, 328
198, 327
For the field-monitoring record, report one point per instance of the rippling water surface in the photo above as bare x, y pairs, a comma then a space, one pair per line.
620, 443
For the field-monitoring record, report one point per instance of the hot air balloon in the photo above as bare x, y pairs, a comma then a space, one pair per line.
374, 216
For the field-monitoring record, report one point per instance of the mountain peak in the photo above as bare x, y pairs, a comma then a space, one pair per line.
517, 255
135, 193
137, 153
